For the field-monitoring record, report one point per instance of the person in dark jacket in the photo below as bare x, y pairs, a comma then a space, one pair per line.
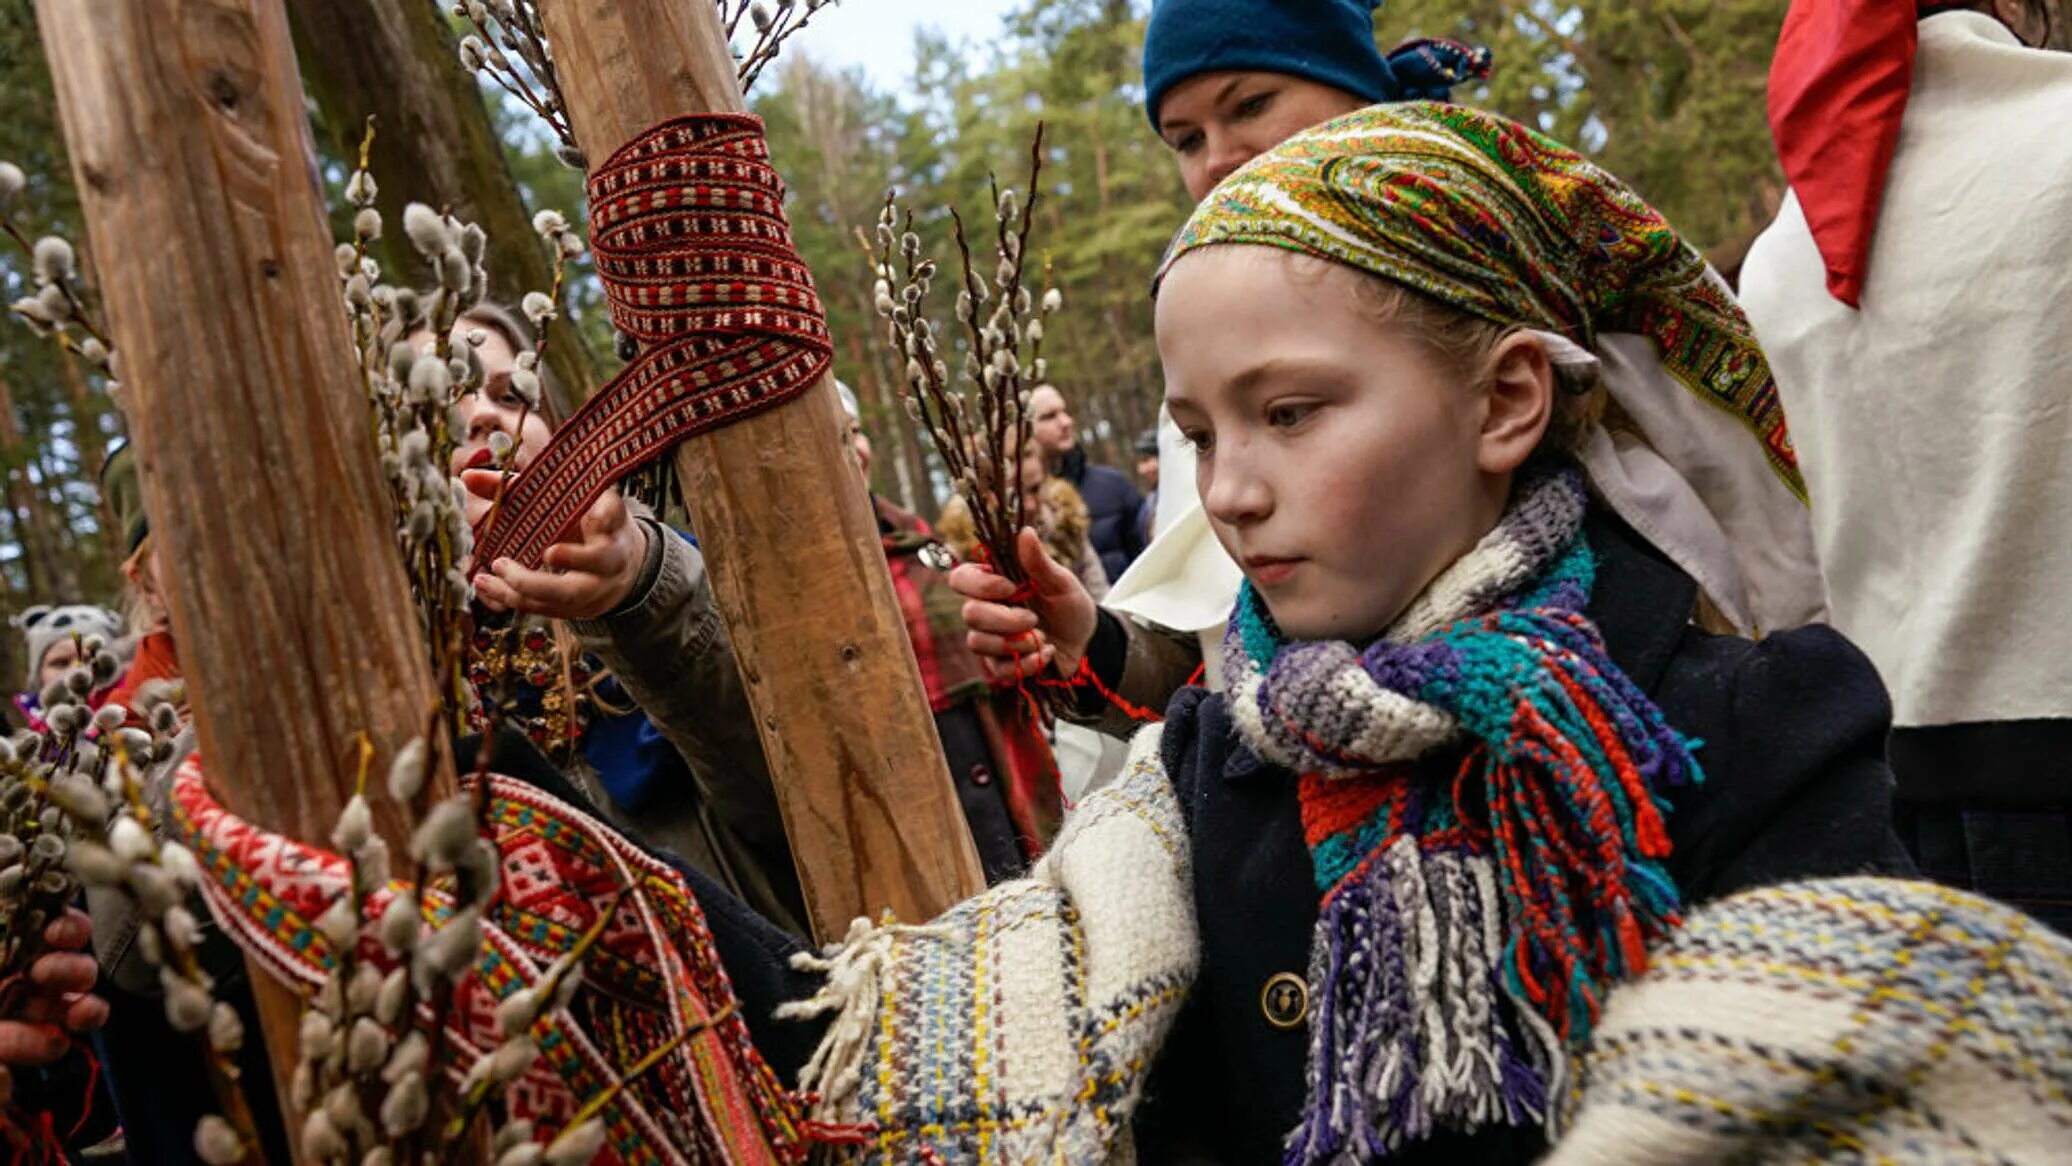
1225, 80
1147, 472
1111, 501
1477, 755
1000, 763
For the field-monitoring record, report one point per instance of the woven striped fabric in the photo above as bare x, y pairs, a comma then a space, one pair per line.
1018, 1026
653, 973
688, 232
1849, 1020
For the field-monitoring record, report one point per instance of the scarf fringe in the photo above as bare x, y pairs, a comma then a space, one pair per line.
1577, 825
1413, 1028
854, 971
1470, 931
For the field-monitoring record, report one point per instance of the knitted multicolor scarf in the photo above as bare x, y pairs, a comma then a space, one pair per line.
1479, 904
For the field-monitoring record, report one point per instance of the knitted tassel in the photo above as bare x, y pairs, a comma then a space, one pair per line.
1577, 832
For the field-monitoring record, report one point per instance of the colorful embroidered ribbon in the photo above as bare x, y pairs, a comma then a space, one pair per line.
688, 232
653, 973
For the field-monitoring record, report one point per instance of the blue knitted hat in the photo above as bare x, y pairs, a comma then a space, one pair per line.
1330, 42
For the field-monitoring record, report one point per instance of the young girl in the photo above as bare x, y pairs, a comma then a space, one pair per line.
53, 637
1475, 758
1224, 80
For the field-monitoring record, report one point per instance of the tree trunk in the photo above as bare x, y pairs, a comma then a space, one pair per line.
191, 154
434, 144
86, 418
797, 566
31, 533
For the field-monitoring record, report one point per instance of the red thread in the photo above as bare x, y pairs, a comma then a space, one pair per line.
1085, 677
688, 233
86, 1104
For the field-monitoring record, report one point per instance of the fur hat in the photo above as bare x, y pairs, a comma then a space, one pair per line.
44, 625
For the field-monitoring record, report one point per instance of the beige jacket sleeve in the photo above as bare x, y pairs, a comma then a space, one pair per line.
668, 646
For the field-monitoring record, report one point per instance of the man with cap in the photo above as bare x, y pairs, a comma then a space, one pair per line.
1147, 472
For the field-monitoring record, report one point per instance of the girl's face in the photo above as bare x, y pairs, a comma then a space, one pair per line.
1217, 122
61, 658
495, 409
1340, 464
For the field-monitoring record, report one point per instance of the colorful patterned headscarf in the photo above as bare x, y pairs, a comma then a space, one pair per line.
1500, 222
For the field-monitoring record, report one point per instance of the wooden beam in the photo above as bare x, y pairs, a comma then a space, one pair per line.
296, 632
797, 565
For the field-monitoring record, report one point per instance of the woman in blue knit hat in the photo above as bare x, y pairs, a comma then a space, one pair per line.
1224, 81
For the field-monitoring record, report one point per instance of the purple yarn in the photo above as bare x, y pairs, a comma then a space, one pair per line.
1364, 1013
1408, 669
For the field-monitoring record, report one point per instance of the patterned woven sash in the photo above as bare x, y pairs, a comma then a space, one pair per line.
688, 232
653, 973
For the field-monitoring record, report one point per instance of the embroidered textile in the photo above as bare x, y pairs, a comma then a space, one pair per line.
688, 232
653, 973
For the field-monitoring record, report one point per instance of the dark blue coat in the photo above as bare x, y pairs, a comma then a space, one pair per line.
1112, 505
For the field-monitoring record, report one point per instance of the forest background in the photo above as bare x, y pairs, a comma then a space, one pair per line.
1666, 93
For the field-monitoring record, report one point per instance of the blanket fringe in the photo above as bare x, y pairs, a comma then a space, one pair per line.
853, 971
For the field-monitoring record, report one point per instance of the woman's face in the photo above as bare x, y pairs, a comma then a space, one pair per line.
1217, 122
1032, 469
61, 658
495, 409
859, 444
1339, 463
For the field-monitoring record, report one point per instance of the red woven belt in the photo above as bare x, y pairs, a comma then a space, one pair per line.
688, 232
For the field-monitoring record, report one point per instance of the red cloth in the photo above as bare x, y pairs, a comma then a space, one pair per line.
1838, 88
155, 660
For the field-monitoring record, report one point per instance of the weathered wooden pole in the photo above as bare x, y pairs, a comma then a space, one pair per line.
797, 565
294, 622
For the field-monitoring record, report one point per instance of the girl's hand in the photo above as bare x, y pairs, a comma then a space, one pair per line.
1052, 629
586, 574
59, 1000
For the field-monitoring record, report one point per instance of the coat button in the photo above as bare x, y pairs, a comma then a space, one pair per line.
980, 775
1285, 1000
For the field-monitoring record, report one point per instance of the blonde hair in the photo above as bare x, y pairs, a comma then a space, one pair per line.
1465, 346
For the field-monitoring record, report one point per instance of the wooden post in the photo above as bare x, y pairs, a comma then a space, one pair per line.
294, 622
797, 565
